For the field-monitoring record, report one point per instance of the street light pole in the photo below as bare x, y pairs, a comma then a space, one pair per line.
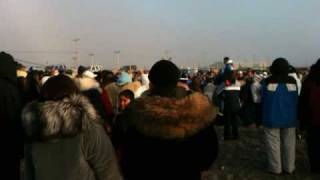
117, 58
76, 52
92, 58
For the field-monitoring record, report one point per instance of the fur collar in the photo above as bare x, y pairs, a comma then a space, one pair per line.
85, 84
55, 119
169, 118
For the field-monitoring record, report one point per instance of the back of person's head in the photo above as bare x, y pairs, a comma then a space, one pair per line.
81, 69
196, 84
58, 88
225, 60
8, 67
164, 73
280, 66
107, 77
123, 78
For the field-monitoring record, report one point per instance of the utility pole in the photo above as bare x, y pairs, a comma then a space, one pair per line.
92, 58
117, 53
75, 53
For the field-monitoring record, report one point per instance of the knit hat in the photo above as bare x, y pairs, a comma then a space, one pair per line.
124, 78
164, 73
279, 66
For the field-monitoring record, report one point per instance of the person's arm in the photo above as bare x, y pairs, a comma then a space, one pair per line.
100, 154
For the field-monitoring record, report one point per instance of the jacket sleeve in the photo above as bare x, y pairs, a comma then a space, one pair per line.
100, 155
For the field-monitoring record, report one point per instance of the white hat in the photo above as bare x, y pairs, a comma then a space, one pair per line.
89, 74
230, 61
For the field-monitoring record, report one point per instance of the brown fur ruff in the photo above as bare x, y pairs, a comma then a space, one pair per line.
171, 118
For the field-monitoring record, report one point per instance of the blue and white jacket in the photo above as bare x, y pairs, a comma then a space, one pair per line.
279, 100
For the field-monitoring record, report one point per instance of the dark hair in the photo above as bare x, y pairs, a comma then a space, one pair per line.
127, 93
225, 60
81, 69
107, 77
58, 88
280, 66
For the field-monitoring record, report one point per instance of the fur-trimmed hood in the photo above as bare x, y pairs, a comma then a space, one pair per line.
56, 119
85, 84
169, 118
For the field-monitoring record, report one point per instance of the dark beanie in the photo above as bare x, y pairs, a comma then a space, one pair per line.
81, 69
164, 73
280, 66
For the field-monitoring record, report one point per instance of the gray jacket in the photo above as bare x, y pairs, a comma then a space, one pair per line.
66, 142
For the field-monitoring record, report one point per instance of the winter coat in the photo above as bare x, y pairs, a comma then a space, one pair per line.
91, 89
66, 142
10, 126
279, 102
231, 98
169, 138
309, 104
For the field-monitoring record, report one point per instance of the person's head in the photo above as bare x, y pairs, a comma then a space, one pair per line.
81, 69
57, 88
123, 78
34, 77
164, 76
196, 84
125, 97
225, 60
250, 72
107, 77
280, 66
8, 67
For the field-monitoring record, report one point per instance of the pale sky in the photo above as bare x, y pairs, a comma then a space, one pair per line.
191, 31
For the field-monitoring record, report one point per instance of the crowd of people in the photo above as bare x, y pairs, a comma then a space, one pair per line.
156, 124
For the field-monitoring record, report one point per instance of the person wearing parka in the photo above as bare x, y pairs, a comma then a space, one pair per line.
91, 89
63, 137
10, 125
170, 133
279, 117
309, 115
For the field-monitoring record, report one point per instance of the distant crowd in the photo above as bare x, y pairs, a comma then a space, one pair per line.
151, 124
